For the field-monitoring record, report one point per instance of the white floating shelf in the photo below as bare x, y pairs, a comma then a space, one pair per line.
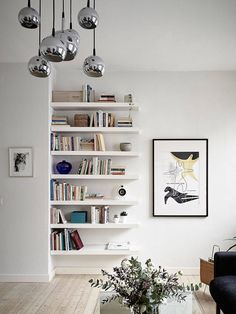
95, 226
94, 177
96, 202
94, 153
96, 250
129, 130
112, 106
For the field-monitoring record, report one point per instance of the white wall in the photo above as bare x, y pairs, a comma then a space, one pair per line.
23, 213
175, 105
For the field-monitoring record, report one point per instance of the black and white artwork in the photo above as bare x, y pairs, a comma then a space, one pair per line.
180, 177
21, 162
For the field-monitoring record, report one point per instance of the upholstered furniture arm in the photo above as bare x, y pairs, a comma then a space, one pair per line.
225, 264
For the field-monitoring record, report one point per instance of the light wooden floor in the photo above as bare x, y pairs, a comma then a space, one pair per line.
68, 294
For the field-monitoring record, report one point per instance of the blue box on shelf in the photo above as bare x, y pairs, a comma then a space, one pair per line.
79, 217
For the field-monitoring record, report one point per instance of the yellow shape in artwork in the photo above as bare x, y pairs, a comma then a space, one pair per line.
187, 165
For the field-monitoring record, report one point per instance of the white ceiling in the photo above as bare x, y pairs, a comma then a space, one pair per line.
162, 35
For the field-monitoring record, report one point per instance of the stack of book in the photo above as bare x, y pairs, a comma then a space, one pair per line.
62, 191
95, 166
59, 120
107, 98
65, 143
57, 216
118, 170
102, 119
99, 142
88, 93
124, 122
99, 215
66, 240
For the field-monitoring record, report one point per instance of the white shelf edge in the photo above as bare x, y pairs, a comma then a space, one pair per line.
94, 226
93, 177
96, 202
113, 106
97, 250
126, 130
94, 153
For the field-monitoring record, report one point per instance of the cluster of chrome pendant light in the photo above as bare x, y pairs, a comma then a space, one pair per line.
61, 45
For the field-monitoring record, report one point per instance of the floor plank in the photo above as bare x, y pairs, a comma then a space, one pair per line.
72, 294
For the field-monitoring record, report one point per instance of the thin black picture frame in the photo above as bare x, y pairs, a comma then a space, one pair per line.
153, 175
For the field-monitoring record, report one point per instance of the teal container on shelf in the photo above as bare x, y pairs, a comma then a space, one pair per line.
79, 217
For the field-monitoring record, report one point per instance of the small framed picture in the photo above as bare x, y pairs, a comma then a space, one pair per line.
21, 162
180, 177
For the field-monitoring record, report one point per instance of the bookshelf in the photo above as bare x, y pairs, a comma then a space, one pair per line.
95, 226
94, 177
114, 130
97, 250
95, 153
70, 108
118, 106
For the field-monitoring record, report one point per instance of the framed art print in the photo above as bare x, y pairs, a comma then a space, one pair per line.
21, 162
180, 177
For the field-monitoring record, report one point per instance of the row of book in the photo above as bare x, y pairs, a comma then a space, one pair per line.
125, 122
59, 120
57, 216
66, 240
107, 97
62, 191
96, 166
75, 143
88, 93
102, 119
99, 215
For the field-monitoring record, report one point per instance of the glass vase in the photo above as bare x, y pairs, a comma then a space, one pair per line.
137, 310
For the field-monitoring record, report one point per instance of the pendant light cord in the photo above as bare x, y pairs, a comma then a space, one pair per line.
28, 3
53, 18
63, 16
70, 14
40, 13
94, 34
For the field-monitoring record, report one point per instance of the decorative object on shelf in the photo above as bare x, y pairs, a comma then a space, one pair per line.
123, 217
124, 122
128, 98
29, 17
125, 147
81, 120
151, 287
121, 191
107, 98
116, 219
52, 48
64, 167
38, 66
67, 38
79, 217
180, 177
20, 162
88, 17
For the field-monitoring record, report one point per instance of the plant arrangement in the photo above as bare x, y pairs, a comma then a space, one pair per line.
142, 289
123, 214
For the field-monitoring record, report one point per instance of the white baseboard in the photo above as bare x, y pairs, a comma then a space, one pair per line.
26, 277
78, 270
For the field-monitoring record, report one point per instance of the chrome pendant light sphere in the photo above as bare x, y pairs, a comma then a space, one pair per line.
88, 18
70, 44
75, 35
53, 49
29, 18
94, 66
39, 66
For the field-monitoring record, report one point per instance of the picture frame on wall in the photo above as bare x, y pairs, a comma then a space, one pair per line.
180, 177
20, 162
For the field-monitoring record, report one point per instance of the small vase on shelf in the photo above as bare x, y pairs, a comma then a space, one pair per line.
64, 167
